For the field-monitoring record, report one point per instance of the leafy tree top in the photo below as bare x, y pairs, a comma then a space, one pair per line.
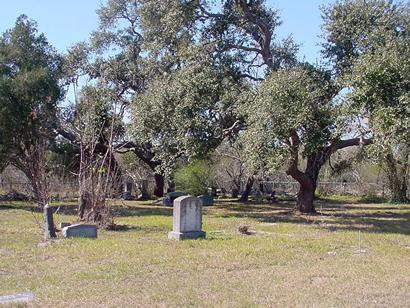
29, 87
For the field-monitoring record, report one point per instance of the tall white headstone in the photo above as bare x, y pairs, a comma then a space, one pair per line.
187, 219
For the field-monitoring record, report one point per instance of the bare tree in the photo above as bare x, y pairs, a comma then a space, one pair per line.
96, 126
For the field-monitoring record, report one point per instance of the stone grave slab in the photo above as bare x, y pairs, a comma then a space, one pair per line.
171, 196
19, 298
206, 200
80, 230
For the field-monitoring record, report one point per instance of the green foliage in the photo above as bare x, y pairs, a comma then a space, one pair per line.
94, 117
195, 178
356, 27
168, 28
289, 100
29, 89
369, 42
246, 38
382, 86
185, 113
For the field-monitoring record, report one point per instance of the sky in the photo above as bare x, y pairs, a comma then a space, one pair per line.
65, 22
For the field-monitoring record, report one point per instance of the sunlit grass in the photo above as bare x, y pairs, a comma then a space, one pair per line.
351, 254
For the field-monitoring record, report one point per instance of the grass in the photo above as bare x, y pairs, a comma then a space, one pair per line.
288, 261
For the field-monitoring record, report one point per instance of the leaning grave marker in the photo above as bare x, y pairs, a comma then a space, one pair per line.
80, 230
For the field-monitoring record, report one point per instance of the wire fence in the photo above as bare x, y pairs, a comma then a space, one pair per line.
64, 190
323, 187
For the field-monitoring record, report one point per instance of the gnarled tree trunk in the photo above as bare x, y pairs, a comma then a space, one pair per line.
308, 182
159, 185
248, 188
306, 193
305, 198
308, 178
397, 176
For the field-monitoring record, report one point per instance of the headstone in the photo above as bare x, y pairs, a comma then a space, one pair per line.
206, 200
127, 193
143, 196
127, 196
64, 224
213, 191
80, 230
19, 298
128, 187
235, 193
171, 196
49, 230
187, 219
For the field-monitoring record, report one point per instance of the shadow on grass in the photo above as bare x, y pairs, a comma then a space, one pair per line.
141, 210
135, 228
19, 206
123, 210
340, 216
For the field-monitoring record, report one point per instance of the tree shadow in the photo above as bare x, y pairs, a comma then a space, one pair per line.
136, 228
140, 210
122, 210
372, 219
20, 206
252, 206
334, 216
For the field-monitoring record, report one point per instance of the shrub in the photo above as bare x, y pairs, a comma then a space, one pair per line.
195, 178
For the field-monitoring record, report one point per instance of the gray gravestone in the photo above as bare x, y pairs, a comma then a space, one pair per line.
128, 188
80, 230
143, 196
235, 193
187, 219
16, 298
206, 200
64, 224
171, 196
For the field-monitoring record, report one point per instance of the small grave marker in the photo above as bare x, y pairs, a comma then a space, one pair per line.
80, 230
16, 298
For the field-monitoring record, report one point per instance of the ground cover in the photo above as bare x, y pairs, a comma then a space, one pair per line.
351, 254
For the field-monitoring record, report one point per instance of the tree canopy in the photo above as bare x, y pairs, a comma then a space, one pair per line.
30, 90
176, 79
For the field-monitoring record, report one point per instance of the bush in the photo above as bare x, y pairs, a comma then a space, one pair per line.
195, 178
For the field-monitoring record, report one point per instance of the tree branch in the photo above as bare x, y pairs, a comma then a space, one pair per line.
244, 75
341, 144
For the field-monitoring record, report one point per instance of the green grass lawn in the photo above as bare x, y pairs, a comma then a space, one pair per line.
351, 254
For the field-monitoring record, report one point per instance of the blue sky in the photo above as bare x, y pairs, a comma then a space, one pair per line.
67, 22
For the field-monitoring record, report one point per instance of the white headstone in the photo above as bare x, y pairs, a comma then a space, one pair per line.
80, 230
16, 298
187, 219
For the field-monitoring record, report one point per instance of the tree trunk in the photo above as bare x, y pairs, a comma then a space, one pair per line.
159, 185
399, 194
85, 204
397, 180
308, 180
305, 197
248, 188
235, 193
